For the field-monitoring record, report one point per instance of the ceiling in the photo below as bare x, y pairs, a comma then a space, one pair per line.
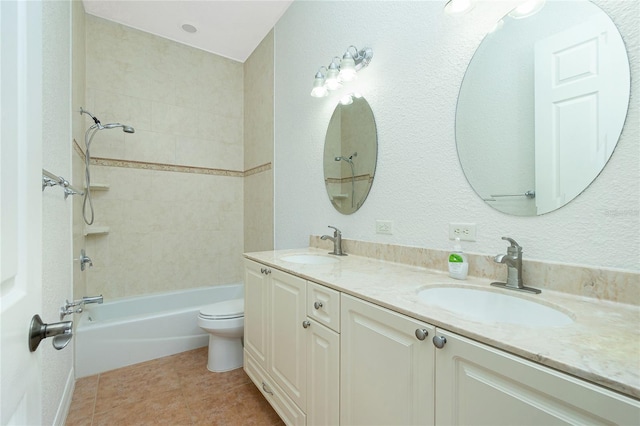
229, 28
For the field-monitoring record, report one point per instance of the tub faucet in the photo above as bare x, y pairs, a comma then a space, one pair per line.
92, 299
76, 307
513, 260
337, 241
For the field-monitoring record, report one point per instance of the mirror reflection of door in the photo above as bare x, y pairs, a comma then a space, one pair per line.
531, 132
575, 73
350, 155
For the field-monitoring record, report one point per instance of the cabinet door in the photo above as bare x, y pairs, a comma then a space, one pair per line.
480, 385
256, 300
323, 378
386, 372
287, 339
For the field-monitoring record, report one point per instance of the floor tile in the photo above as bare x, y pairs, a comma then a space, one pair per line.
175, 390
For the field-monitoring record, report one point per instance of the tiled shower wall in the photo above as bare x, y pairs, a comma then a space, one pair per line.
258, 142
174, 204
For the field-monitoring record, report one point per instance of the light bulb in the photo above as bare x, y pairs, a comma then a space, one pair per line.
348, 68
459, 7
319, 91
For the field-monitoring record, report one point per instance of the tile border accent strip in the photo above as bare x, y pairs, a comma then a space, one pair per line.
131, 164
612, 285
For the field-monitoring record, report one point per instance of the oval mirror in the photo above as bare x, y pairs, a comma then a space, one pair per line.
541, 107
350, 154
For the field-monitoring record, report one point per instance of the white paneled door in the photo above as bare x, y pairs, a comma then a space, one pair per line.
576, 109
20, 207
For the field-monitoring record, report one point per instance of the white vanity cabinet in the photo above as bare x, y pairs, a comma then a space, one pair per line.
386, 364
322, 357
477, 384
274, 339
293, 358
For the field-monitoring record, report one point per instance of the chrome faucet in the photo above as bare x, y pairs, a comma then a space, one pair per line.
77, 306
84, 259
513, 260
337, 241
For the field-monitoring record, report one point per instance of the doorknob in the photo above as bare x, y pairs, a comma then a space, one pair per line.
62, 332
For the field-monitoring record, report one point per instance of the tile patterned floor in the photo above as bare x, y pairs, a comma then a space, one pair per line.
175, 390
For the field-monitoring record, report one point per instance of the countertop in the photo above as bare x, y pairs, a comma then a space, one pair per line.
602, 345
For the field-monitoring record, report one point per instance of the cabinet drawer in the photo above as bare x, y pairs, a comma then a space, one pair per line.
323, 305
286, 409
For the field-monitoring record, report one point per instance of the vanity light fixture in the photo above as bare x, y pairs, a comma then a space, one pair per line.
340, 71
319, 90
459, 7
526, 9
332, 82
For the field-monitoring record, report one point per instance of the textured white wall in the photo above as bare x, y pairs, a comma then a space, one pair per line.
420, 56
56, 211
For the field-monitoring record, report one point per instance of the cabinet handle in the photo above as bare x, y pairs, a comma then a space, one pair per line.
439, 341
265, 271
266, 389
306, 324
422, 333
317, 305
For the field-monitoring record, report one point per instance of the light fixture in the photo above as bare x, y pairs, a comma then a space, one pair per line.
340, 71
526, 9
189, 28
332, 82
459, 7
319, 90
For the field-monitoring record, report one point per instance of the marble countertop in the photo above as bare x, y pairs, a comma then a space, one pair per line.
602, 345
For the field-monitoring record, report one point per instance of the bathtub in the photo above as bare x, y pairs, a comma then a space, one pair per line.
132, 330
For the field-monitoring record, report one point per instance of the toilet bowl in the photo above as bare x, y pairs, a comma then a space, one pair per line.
224, 321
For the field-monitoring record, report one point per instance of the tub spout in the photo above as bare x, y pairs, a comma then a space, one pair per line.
92, 299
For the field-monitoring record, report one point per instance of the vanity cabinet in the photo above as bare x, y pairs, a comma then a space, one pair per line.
387, 365
289, 354
477, 384
322, 357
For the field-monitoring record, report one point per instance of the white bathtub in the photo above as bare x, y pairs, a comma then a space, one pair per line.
127, 331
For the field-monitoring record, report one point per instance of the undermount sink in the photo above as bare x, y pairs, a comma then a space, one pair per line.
309, 259
491, 306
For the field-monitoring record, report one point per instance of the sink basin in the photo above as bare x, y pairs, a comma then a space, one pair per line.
490, 306
309, 259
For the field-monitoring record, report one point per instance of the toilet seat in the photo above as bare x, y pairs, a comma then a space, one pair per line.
227, 309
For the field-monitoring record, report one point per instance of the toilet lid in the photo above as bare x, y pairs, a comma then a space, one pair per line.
233, 308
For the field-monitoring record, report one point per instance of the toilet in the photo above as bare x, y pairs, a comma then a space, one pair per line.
224, 321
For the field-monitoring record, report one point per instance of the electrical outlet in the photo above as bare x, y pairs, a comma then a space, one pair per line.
384, 227
464, 231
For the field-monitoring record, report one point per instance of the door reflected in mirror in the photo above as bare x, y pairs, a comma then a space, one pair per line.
541, 107
350, 154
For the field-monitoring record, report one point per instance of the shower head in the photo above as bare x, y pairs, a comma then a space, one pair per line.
125, 128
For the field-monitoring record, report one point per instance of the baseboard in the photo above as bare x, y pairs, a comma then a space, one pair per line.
65, 401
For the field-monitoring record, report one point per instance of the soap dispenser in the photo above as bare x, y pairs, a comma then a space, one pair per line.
458, 265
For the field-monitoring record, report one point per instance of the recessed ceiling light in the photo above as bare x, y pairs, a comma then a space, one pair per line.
189, 28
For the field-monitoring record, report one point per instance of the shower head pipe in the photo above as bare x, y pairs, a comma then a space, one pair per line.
100, 126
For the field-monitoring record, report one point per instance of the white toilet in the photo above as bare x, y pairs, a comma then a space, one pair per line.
224, 321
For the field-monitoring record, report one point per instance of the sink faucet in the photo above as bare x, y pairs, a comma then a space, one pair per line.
337, 241
513, 260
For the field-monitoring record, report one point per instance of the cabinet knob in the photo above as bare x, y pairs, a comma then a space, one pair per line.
439, 341
266, 389
306, 324
422, 333
317, 305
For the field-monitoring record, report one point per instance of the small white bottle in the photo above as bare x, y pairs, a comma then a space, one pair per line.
458, 265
